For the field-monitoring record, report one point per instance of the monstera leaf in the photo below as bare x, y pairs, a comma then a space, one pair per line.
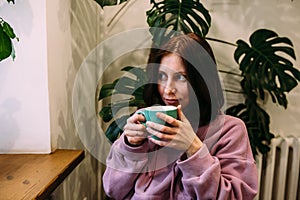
126, 85
115, 128
103, 3
265, 67
181, 16
257, 122
131, 84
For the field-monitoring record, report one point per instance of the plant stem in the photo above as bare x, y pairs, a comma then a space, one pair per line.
232, 73
232, 91
222, 41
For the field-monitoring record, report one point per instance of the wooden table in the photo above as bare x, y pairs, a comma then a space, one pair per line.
35, 176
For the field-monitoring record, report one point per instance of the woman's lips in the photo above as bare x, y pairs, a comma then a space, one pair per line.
173, 102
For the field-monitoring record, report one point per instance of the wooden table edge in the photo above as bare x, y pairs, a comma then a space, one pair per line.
59, 179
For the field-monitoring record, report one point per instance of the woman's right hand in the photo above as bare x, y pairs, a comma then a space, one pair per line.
134, 130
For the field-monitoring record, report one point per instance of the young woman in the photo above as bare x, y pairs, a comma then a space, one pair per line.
203, 154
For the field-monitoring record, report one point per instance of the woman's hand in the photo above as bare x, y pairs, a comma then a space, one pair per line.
179, 136
134, 130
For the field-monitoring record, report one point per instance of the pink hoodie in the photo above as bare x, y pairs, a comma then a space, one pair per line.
223, 168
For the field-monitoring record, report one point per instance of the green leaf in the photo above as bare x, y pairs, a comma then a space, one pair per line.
126, 85
235, 110
107, 90
287, 82
257, 123
13, 53
261, 35
109, 111
123, 85
140, 73
9, 30
179, 16
5, 45
103, 3
266, 64
116, 128
295, 73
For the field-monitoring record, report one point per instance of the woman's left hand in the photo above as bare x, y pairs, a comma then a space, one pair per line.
180, 135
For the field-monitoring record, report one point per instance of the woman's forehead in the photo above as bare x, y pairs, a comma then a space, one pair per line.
173, 63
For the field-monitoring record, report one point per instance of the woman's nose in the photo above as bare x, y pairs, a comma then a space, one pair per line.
170, 87
170, 91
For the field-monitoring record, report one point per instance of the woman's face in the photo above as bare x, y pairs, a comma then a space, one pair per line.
172, 82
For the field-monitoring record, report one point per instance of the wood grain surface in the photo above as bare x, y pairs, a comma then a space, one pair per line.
35, 176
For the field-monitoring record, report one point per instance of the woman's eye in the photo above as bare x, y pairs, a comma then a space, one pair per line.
162, 76
180, 77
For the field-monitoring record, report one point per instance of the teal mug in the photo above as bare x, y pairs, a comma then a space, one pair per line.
150, 114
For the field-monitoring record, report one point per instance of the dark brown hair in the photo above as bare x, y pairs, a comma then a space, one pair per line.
202, 75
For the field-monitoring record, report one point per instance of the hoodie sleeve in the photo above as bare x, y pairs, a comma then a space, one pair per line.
123, 165
226, 171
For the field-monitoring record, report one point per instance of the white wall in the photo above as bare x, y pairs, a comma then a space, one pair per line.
36, 89
24, 98
72, 32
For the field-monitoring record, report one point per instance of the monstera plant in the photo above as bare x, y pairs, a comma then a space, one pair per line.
265, 63
6, 36
124, 85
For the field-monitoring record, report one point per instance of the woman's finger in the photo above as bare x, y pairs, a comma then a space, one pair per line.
134, 127
136, 118
159, 134
133, 123
170, 120
181, 116
161, 128
134, 133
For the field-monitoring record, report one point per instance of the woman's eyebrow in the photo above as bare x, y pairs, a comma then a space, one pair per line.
175, 72
183, 73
